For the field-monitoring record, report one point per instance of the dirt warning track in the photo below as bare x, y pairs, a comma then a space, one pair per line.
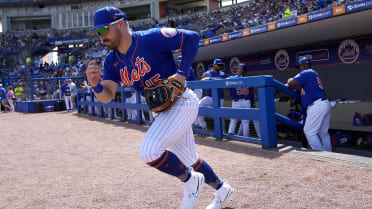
61, 160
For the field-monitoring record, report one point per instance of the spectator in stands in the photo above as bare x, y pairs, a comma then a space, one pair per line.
58, 72
56, 94
339, 2
321, 4
287, 12
42, 90
208, 24
28, 61
19, 92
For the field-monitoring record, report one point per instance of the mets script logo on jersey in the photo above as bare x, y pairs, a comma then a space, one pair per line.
281, 59
348, 51
142, 68
168, 32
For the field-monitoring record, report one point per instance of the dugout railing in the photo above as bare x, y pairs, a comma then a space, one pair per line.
265, 113
86, 103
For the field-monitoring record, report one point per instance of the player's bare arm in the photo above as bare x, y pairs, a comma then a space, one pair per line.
94, 78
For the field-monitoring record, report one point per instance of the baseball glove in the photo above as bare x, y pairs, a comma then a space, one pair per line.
159, 96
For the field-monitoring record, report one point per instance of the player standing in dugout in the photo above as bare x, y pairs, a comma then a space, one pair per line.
316, 105
144, 61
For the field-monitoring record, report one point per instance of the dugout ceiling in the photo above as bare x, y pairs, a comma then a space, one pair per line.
334, 28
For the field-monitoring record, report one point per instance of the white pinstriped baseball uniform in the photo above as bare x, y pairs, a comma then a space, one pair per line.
176, 134
147, 61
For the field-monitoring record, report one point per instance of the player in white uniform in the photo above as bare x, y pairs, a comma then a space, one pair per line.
316, 105
141, 59
66, 92
243, 97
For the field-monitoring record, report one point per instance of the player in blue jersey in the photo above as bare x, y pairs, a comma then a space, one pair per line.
243, 97
3, 98
316, 105
215, 73
141, 59
66, 92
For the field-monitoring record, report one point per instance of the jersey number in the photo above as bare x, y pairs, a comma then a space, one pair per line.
302, 91
153, 80
319, 82
242, 91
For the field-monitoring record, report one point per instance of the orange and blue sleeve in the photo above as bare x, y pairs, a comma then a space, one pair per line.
187, 41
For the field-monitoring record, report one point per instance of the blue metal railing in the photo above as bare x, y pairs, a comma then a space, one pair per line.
123, 105
265, 114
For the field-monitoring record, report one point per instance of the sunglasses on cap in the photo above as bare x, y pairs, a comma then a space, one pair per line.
101, 31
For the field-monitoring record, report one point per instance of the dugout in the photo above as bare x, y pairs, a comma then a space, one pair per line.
345, 75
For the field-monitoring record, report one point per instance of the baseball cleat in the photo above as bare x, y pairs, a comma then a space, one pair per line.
223, 194
192, 190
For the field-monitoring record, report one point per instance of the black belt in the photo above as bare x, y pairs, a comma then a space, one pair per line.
322, 99
237, 100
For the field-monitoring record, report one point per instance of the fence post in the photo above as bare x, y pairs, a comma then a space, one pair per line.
101, 111
267, 116
78, 103
139, 112
112, 113
93, 109
217, 120
31, 89
123, 110
86, 107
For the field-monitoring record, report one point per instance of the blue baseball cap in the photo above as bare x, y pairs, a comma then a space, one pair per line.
303, 60
107, 15
218, 62
243, 66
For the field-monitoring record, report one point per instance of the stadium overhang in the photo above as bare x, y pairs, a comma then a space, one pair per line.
335, 28
186, 4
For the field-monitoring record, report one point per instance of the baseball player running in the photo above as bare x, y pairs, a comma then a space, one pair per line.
316, 105
144, 61
215, 73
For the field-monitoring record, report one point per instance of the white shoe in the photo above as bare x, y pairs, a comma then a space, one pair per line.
192, 190
223, 194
